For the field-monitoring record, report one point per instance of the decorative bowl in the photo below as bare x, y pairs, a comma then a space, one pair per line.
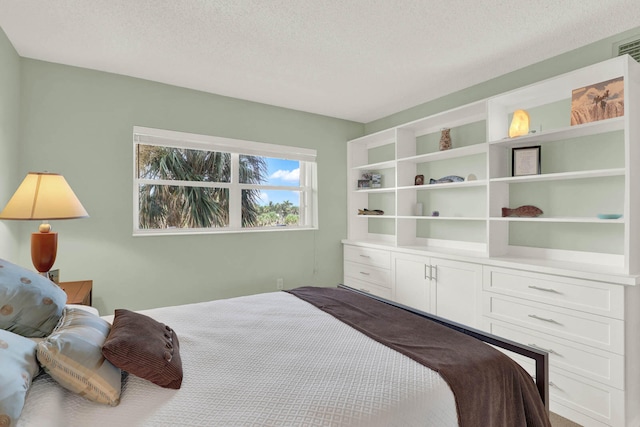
609, 216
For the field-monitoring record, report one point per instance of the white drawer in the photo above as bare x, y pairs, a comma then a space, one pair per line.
369, 288
579, 398
597, 401
365, 273
589, 362
596, 331
375, 257
584, 295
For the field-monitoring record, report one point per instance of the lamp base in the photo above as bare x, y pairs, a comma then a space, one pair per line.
44, 247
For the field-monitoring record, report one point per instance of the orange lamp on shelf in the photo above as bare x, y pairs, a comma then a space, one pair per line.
519, 124
43, 196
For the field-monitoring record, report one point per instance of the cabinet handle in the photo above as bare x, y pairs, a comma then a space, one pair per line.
427, 276
365, 273
548, 350
434, 274
533, 316
552, 384
537, 288
365, 290
365, 256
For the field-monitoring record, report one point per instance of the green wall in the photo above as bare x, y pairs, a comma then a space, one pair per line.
9, 134
79, 123
578, 58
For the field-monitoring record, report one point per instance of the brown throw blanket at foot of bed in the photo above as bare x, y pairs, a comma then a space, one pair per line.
489, 388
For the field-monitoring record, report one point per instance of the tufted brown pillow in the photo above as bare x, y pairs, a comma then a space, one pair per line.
145, 348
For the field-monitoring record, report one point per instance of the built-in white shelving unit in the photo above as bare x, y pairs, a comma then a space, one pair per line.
587, 169
566, 281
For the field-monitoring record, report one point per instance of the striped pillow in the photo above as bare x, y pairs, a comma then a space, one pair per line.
72, 355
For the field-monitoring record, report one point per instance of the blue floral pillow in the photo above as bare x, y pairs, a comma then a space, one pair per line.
19, 367
30, 304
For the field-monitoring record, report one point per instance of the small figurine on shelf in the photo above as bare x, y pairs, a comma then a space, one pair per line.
435, 213
364, 183
366, 211
419, 179
365, 180
528, 211
376, 180
443, 180
445, 139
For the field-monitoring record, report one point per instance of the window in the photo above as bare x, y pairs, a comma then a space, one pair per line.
187, 183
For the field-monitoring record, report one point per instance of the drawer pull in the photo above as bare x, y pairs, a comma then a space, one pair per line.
548, 350
365, 256
552, 384
364, 273
365, 290
533, 316
538, 288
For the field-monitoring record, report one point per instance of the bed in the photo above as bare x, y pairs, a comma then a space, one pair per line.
284, 358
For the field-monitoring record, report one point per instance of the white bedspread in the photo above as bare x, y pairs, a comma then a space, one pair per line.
262, 360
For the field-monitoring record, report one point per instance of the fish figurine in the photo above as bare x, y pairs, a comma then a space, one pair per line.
449, 178
370, 212
524, 211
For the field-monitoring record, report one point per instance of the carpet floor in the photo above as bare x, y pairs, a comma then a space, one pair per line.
558, 421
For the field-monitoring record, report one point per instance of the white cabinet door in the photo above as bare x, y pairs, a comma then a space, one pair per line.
457, 291
411, 284
449, 289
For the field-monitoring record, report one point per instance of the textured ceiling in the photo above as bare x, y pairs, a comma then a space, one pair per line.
354, 59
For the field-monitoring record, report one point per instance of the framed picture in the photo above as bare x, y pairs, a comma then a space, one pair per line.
54, 276
525, 161
376, 180
364, 183
419, 179
599, 101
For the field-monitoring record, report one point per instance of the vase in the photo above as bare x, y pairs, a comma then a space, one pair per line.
445, 139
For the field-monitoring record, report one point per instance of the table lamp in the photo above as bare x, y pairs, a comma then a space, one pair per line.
43, 196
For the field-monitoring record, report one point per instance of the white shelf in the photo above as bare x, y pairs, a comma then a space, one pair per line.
594, 128
447, 154
380, 165
445, 185
444, 218
378, 216
594, 220
561, 176
375, 190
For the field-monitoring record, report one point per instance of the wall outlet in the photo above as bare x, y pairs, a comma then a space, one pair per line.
280, 283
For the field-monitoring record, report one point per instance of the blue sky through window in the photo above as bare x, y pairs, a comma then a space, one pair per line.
285, 173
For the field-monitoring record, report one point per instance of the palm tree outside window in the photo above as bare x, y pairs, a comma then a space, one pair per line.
211, 185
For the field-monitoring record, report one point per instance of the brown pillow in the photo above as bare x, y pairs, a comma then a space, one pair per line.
145, 348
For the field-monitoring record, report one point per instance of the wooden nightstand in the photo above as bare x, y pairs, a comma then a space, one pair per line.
78, 292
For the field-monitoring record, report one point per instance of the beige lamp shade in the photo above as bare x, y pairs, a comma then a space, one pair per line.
43, 196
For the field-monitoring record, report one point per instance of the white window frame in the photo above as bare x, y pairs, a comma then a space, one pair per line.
308, 210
